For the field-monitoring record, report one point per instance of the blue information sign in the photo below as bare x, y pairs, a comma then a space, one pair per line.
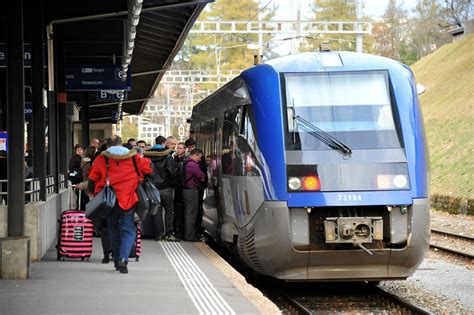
110, 95
97, 77
114, 115
26, 55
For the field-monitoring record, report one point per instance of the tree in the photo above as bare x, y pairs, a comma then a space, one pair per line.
227, 51
426, 33
458, 12
335, 11
389, 34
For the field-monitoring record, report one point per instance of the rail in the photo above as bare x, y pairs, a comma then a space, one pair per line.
461, 243
32, 188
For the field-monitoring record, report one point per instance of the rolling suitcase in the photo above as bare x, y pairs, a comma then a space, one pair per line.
75, 235
137, 245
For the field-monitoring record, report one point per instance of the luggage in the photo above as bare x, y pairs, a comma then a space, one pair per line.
75, 235
137, 245
148, 227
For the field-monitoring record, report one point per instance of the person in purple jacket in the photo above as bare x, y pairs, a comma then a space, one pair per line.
193, 176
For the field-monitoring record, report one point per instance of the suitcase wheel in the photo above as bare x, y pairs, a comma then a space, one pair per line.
87, 259
63, 258
137, 258
82, 258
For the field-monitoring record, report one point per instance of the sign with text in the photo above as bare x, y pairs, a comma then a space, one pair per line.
26, 55
111, 95
97, 78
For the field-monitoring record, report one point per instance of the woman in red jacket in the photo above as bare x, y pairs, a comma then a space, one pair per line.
124, 179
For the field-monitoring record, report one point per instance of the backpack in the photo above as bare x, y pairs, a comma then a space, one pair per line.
160, 177
75, 174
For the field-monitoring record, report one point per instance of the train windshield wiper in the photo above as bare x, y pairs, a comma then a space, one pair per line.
322, 135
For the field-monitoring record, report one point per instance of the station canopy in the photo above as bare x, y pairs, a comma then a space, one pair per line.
98, 33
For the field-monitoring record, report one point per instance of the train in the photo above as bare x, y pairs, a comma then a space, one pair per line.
318, 168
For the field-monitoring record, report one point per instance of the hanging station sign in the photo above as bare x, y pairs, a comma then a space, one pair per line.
97, 78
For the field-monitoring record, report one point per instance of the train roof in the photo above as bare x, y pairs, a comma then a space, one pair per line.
331, 61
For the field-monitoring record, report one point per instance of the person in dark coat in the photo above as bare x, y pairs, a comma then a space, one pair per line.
193, 177
164, 180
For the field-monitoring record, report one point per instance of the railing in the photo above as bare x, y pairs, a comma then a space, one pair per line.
49, 185
32, 190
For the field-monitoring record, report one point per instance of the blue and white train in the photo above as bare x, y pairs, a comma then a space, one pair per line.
318, 168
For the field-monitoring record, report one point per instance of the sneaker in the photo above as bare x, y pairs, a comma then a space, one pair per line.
106, 259
122, 265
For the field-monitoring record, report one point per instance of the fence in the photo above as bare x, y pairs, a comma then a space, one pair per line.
32, 188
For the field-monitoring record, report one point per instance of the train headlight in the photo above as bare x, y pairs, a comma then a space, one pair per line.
392, 181
311, 183
294, 183
400, 181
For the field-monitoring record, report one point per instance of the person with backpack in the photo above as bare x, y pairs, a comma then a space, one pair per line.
164, 179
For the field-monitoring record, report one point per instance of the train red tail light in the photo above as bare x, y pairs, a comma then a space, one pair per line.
311, 183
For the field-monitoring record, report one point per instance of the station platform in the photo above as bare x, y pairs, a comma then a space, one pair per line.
170, 278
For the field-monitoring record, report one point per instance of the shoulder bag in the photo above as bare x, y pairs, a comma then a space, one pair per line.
142, 207
100, 206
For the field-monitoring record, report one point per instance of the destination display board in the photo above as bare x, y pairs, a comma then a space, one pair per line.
97, 78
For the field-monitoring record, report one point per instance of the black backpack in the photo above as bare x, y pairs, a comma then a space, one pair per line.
75, 174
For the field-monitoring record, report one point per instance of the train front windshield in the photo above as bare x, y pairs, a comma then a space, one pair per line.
353, 107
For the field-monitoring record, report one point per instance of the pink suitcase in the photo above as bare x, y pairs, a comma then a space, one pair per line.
75, 235
137, 245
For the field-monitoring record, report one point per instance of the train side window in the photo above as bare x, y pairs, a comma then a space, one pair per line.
230, 131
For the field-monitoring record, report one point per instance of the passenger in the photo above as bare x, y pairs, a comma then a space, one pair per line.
74, 170
178, 222
164, 179
132, 142
86, 165
142, 144
191, 145
193, 179
95, 143
124, 180
171, 143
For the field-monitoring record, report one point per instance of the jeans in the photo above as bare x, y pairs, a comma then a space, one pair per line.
167, 204
191, 204
122, 233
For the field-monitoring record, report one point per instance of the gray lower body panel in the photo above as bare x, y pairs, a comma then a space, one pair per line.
267, 244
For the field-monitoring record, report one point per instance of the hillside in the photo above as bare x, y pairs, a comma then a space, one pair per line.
448, 110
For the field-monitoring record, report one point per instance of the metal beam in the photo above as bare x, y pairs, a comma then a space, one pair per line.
85, 117
125, 13
37, 69
16, 118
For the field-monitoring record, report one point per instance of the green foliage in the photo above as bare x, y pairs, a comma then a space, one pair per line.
129, 130
227, 51
448, 108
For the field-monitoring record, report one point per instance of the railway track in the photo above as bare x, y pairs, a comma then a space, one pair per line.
356, 298
453, 243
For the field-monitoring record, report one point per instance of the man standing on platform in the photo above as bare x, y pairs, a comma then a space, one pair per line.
164, 180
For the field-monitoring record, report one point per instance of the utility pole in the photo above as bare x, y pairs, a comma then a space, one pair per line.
359, 38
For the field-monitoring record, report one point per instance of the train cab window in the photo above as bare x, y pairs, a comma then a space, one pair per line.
354, 107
